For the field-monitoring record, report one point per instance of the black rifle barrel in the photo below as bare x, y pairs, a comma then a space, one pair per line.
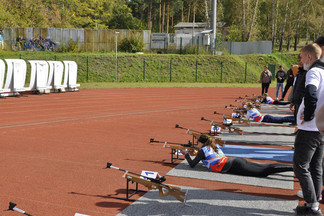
177, 126
12, 207
188, 144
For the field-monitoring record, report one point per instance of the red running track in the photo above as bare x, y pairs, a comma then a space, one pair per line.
54, 147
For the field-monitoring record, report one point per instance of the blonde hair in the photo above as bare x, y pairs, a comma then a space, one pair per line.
313, 49
249, 105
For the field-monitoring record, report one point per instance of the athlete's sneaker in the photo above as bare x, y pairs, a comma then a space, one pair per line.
306, 210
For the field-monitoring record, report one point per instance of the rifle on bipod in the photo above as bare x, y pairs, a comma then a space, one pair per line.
151, 184
178, 146
12, 207
257, 104
230, 106
240, 110
250, 98
234, 119
175, 147
246, 96
237, 109
228, 128
197, 134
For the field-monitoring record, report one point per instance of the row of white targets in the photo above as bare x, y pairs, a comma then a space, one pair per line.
46, 76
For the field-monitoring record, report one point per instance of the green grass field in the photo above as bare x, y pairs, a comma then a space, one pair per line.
162, 68
98, 85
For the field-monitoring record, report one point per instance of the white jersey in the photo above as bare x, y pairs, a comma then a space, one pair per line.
315, 76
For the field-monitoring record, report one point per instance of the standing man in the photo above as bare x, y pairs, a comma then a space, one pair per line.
299, 88
265, 79
281, 76
320, 42
290, 81
309, 145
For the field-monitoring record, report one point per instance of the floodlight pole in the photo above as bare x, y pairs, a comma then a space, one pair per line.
116, 56
213, 21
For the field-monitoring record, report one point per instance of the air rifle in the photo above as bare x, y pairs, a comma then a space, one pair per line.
246, 96
197, 134
235, 119
230, 129
252, 98
12, 207
152, 183
236, 109
178, 146
257, 104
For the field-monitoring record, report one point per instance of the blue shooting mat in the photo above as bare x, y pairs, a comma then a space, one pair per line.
284, 155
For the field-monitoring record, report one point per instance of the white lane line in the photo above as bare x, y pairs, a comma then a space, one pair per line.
102, 116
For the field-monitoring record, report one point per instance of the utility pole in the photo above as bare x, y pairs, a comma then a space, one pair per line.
116, 55
213, 22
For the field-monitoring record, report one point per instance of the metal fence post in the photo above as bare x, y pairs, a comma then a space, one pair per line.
170, 70
230, 47
198, 45
221, 71
19, 56
55, 58
196, 70
87, 68
144, 69
165, 45
245, 70
180, 45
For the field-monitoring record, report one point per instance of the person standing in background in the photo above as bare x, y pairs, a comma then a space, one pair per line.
281, 76
295, 73
265, 79
299, 88
290, 81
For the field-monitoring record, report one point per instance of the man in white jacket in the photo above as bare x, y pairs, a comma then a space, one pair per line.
309, 145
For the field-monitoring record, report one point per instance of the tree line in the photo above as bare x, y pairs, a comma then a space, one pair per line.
285, 22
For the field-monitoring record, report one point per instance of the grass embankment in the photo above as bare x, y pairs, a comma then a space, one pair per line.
148, 69
97, 85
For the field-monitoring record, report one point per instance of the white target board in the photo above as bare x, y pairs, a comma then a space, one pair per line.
16, 75
39, 75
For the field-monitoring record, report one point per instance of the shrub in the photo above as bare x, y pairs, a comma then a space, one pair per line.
72, 47
132, 45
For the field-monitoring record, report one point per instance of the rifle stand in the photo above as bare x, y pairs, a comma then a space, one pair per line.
134, 190
185, 200
213, 133
173, 158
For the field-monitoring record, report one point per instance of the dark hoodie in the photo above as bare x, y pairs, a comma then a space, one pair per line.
299, 87
310, 99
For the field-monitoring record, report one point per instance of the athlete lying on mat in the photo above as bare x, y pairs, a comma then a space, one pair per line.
254, 114
216, 161
268, 100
